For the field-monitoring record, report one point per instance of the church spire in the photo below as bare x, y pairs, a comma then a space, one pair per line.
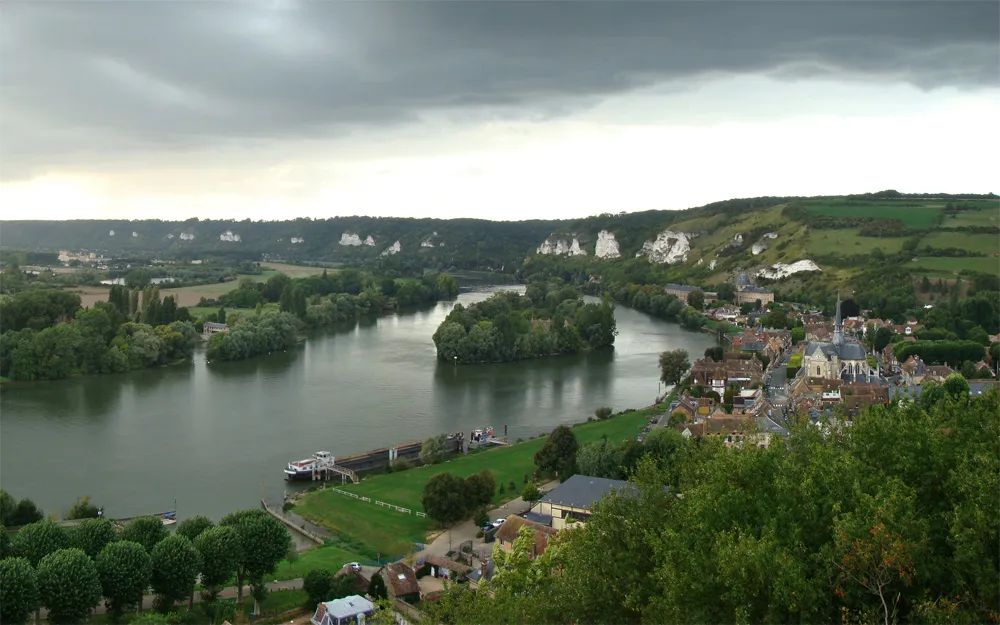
838, 327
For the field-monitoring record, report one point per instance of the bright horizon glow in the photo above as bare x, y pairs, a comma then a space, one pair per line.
633, 152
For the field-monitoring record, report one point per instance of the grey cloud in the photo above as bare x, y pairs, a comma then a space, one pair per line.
82, 80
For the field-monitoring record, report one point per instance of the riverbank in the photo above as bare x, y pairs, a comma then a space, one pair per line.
375, 529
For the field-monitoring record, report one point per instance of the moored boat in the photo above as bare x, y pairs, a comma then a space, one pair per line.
306, 469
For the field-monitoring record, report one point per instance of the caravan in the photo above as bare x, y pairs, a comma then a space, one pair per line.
347, 611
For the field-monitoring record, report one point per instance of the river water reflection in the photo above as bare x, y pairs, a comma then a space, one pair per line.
209, 435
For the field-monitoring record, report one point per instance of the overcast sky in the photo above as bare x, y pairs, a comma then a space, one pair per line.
274, 109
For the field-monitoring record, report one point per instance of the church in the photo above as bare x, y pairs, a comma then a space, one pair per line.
838, 359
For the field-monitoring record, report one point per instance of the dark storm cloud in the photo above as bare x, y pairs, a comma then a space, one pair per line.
84, 79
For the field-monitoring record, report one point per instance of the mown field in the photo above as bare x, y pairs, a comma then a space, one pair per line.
849, 242
920, 216
982, 243
953, 265
390, 532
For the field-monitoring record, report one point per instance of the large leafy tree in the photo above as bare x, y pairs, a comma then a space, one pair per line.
558, 453
444, 499
264, 541
175, 563
92, 535
124, 569
220, 556
192, 527
18, 590
318, 585
68, 585
147, 531
480, 488
37, 540
673, 365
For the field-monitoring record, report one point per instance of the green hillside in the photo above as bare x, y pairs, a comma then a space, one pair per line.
941, 235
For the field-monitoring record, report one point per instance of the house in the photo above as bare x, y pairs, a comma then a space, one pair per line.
747, 401
360, 582
889, 358
681, 291
913, 370
733, 430
352, 609
400, 581
211, 327
508, 532
937, 373
818, 331
724, 314
447, 568
576, 496
750, 295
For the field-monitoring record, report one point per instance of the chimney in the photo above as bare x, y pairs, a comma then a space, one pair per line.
482, 568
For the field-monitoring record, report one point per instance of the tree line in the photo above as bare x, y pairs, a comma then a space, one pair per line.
70, 570
508, 326
48, 336
890, 520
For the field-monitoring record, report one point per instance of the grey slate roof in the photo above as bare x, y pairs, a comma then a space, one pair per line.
766, 424
847, 351
581, 491
349, 606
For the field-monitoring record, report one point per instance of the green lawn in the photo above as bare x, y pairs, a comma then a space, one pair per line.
983, 243
377, 529
913, 216
389, 532
329, 557
848, 243
950, 264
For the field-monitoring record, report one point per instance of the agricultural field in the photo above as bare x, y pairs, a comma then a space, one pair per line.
848, 242
190, 295
988, 244
983, 217
920, 216
954, 265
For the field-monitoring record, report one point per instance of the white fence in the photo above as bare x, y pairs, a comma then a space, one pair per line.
379, 503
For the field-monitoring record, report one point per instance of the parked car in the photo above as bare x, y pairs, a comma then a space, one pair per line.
356, 567
498, 522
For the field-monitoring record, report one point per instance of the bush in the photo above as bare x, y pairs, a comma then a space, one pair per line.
82, 509
479, 534
401, 464
603, 413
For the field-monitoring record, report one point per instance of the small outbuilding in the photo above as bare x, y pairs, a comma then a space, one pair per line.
347, 611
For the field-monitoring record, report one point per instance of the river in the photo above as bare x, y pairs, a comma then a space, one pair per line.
210, 435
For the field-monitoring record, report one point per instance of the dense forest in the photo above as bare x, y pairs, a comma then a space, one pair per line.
890, 520
508, 326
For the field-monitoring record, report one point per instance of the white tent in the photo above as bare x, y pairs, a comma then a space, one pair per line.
346, 611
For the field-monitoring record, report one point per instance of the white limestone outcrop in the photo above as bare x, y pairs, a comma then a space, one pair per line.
349, 238
229, 235
111, 233
395, 248
561, 247
607, 245
369, 241
712, 264
187, 236
758, 248
296, 240
669, 247
781, 270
